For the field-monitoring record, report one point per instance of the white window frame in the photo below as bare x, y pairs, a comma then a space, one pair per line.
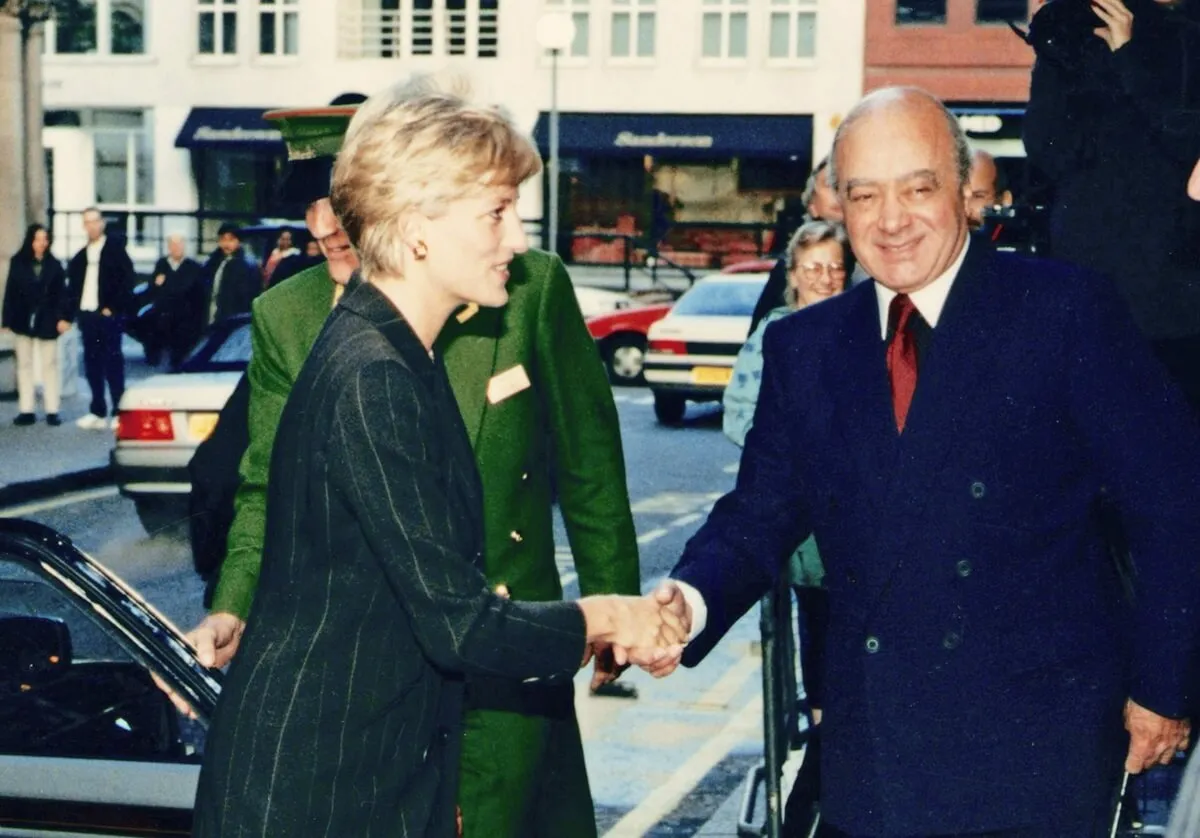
793, 9
635, 10
727, 9
577, 9
218, 9
279, 10
103, 50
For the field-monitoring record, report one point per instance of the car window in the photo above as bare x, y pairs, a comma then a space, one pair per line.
69, 686
720, 298
235, 349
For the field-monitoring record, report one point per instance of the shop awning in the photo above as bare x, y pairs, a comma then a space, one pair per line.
678, 136
229, 128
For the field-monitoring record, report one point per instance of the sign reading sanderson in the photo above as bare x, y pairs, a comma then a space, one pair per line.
628, 139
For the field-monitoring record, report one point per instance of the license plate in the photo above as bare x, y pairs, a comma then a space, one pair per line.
200, 425
712, 375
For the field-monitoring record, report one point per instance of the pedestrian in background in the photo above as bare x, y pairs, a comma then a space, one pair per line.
36, 310
283, 249
179, 296
100, 282
232, 280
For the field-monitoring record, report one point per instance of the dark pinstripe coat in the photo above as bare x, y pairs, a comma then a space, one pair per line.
341, 713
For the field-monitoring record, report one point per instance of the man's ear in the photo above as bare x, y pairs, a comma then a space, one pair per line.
1193, 188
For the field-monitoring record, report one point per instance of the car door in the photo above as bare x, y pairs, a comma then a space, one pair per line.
88, 744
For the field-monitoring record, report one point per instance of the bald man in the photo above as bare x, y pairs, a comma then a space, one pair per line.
945, 431
984, 185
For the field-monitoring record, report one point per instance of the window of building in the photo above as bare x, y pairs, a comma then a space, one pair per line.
768, 175
278, 27
97, 27
921, 11
793, 29
725, 29
1001, 11
633, 29
217, 27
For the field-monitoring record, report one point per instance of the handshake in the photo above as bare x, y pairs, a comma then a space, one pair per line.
649, 631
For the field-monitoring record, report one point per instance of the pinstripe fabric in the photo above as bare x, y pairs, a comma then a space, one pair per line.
342, 711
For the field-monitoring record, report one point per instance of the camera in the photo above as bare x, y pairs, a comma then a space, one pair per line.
1063, 31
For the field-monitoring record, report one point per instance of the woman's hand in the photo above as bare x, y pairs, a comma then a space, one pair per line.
639, 629
63, 326
1119, 30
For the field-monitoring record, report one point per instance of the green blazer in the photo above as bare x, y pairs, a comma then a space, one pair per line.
560, 434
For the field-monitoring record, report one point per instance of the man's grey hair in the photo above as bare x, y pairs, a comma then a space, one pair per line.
177, 237
810, 188
890, 95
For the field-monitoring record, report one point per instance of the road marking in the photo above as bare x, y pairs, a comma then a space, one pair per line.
58, 502
721, 694
663, 800
674, 503
732, 468
685, 520
567, 578
653, 535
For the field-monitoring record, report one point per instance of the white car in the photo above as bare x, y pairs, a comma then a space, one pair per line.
691, 351
594, 301
163, 418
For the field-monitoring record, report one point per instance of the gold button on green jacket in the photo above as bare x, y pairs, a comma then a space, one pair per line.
555, 439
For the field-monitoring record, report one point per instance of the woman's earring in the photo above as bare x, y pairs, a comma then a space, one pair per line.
420, 250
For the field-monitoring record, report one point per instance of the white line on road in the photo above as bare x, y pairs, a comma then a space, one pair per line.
663, 800
721, 694
58, 502
732, 468
567, 578
685, 520
653, 535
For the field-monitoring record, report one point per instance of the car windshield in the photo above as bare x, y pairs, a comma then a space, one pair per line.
227, 349
730, 299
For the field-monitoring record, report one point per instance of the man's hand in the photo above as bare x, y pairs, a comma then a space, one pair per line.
1153, 739
1119, 30
107, 312
63, 326
216, 638
672, 604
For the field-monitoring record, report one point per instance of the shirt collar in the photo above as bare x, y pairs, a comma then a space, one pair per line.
98, 244
929, 300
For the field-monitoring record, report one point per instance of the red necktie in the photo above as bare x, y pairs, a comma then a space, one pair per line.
901, 357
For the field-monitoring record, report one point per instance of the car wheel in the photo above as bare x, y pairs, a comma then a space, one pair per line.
162, 515
625, 357
668, 408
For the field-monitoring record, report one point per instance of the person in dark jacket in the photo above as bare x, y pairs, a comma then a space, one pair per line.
36, 311
1112, 97
231, 277
179, 298
100, 290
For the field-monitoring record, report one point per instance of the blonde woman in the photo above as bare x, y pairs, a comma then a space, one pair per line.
342, 712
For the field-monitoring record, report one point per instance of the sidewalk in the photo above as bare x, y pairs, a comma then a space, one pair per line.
69, 456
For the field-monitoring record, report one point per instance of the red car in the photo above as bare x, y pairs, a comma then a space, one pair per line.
621, 338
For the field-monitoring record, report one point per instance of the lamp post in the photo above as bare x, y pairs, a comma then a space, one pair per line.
555, 32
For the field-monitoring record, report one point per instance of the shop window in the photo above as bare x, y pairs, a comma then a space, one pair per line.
97, 27
1001, 11
633, 25
278, 27
725, 29
766, 175
921, 11
217, 27
793, 29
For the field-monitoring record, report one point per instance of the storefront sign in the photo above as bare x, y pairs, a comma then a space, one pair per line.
628, 139
237, 134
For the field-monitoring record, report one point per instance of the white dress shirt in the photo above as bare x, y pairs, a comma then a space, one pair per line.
90, 299
929, 301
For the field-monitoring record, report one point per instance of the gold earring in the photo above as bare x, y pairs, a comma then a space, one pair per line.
420, 250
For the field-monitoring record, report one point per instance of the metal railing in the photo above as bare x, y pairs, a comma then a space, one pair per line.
409, 32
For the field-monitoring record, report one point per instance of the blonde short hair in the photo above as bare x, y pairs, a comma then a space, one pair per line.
415, 148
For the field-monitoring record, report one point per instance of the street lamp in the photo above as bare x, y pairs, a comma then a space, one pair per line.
555, 32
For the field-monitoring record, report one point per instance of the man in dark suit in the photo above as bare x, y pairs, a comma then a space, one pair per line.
100, 281
232, 279
179, 297
946, 431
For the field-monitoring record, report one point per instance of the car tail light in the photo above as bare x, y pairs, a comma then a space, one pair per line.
672, 347
145, 425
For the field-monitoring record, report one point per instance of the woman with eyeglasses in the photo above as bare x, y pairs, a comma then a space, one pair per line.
818, 260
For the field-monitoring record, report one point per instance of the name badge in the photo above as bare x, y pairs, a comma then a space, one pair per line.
508, 383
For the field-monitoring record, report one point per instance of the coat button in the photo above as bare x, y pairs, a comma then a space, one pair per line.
951, 641
963, 568
524, 477
516, 536
978, 490
872, 645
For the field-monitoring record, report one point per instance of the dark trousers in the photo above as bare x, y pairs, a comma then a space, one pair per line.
102, 359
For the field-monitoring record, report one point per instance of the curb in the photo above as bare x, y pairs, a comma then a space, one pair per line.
72, 481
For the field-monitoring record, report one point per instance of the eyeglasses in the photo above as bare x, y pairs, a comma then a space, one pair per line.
812, 270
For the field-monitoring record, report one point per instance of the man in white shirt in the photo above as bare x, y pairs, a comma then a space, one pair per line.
946, 432
101, 279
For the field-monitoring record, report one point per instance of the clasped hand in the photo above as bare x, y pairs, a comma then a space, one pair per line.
649, 631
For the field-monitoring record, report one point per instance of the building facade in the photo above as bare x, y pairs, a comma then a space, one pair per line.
687, 110
966, 53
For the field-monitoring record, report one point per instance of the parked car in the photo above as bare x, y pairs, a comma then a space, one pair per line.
692, 349
163, 418
621, 338
594, 301
88, 744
